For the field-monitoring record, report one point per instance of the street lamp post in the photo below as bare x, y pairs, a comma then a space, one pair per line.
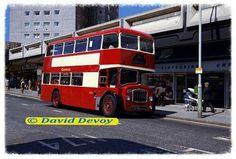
200, 63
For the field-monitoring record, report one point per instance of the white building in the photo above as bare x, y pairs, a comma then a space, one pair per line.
31, 23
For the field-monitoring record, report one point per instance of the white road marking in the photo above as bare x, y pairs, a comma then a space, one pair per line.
58, 111
73, 143
222, 138
190, 149
54, 146
92, 142
24, 104
94, 137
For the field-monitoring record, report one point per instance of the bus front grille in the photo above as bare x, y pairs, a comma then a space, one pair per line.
139, 95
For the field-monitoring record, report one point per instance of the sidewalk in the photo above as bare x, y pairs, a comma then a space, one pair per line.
26, 94
221, 117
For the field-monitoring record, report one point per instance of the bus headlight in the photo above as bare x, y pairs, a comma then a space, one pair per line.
150, 98
128, 98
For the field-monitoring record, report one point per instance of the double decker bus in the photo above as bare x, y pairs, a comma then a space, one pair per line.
100, 71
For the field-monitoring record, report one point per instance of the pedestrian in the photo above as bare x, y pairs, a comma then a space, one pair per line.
160, 93
208, 98
30, 85
22, 85
39, 87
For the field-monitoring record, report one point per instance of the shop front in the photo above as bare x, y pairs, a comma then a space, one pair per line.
180, 76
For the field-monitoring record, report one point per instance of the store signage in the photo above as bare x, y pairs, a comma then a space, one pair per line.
198, 70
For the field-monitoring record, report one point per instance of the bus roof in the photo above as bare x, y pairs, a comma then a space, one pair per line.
114, 30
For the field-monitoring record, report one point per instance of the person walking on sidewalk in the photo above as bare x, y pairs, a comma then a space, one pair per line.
207, 97
22, 85
39, 87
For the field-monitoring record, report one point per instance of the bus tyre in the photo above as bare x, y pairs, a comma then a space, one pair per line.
109, 106
56, 99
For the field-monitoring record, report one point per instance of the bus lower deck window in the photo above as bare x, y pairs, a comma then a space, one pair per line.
65, 79
77, 79
46, 77
55, 78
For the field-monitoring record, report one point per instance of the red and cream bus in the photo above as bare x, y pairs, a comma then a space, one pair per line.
100, 71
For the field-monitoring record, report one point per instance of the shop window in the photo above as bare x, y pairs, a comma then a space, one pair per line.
110, 41
58, 49
46, 77
65, 79
129, 41
80, 45
94, 43
69, 47
77, 79
55, 78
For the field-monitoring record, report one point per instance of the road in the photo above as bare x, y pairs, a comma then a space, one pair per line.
135, 134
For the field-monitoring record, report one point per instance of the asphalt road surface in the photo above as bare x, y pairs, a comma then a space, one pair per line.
135, 135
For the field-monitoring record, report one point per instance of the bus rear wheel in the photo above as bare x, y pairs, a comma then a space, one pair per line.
109, 106
56, 99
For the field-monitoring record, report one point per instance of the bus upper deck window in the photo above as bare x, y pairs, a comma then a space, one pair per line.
110, 41
146, 45
94, 43
80, 45
129, 41
49, 50
69, 47
58, 49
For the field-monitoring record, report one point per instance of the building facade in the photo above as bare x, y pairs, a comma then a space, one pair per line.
29, 24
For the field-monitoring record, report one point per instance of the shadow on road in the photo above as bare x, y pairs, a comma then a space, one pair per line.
123, 115
84, 146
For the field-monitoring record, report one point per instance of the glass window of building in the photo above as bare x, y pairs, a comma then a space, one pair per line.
56, 24
36, 24
27, 36
36, 12
55, 78
94, 43
110, 41
69, 47
146, 45
27, 24
46, 35
56, 34
46, 24
80, 45
58, 49
27, 13
46, 12
36, 35
77, 79
65, 79
56, 12
46, 78
129, 41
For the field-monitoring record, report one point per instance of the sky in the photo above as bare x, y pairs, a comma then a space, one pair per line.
124, 11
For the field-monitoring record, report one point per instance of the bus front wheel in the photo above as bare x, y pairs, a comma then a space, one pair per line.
56, 99
109, 106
